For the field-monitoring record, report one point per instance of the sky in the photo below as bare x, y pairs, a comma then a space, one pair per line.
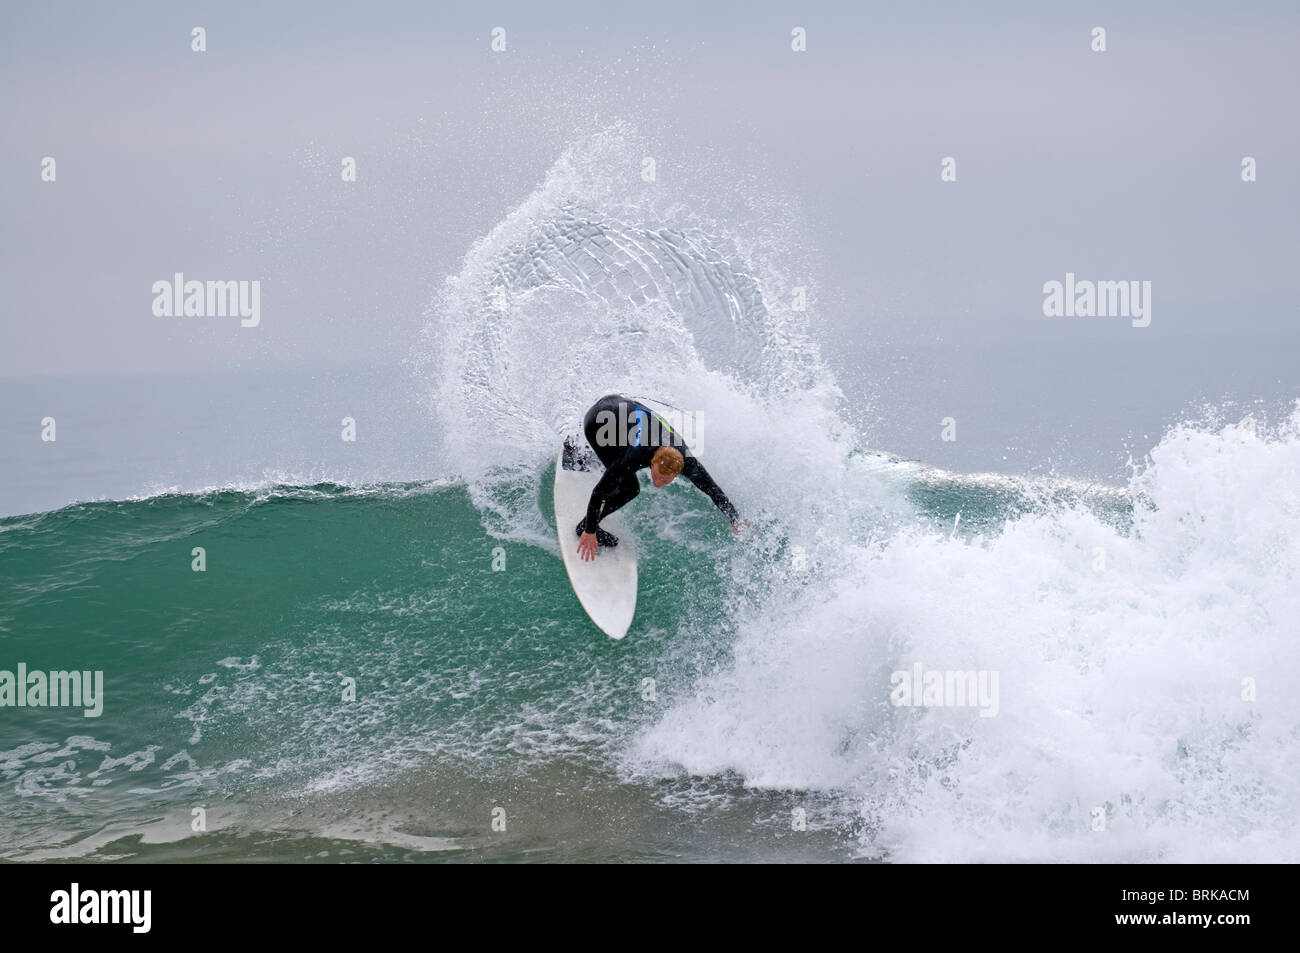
1115, 165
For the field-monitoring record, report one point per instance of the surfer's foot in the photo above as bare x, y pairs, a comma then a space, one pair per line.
602, 537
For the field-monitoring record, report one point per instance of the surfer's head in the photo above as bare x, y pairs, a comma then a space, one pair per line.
665, 465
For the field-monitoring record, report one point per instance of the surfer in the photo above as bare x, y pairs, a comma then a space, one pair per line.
627, 437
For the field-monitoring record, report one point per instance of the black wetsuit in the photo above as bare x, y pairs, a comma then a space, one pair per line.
625, 439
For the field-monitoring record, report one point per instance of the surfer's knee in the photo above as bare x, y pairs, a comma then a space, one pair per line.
626, 492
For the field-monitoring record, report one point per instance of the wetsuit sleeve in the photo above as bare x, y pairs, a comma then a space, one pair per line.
607, 485
695, 472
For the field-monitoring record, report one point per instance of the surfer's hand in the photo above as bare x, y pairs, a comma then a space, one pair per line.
587, 546
737, 526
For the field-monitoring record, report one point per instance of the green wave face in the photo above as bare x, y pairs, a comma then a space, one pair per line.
468, 656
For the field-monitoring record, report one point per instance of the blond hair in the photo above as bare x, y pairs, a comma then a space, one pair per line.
668, 460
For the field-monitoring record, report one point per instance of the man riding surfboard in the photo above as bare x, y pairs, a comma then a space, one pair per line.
628, 437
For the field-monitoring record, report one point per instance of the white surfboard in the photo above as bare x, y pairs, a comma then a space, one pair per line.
606, 585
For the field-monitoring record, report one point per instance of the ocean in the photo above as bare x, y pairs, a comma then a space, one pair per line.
317, 649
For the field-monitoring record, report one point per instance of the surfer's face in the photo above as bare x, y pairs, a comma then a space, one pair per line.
659, 478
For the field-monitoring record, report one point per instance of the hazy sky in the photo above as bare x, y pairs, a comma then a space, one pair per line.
225, 165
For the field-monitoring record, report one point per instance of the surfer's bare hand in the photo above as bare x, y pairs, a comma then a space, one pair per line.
587, 546
737, 526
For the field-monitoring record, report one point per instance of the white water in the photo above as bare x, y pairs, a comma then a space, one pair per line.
1121, 689
601, 282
